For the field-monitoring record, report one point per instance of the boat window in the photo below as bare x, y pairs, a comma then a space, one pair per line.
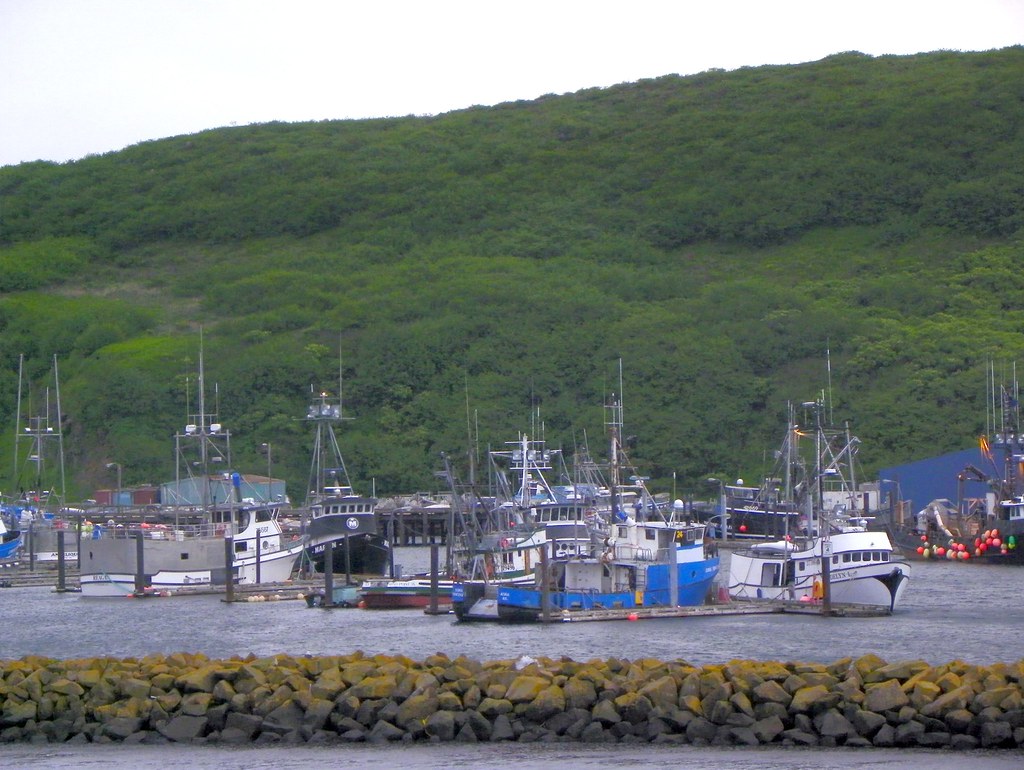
846, 557
650, 534
802, 565
622, 532
856, 556
885, 556
876, 556
835, 558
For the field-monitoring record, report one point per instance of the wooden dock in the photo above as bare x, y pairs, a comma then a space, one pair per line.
719, 610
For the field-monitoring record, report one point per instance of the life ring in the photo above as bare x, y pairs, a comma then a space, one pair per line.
606, 557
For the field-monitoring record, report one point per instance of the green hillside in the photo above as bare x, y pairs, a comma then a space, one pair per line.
738, 240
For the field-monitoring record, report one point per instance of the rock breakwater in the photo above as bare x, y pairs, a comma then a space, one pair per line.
357, 697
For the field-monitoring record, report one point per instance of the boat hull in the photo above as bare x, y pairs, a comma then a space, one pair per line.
10, 548
367, 554
475, 600
694, 582
862, 571
402, 593
109, 565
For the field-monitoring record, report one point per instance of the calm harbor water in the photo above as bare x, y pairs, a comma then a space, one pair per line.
950, 612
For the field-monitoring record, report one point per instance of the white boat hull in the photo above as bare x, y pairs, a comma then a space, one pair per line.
108, 566
863, 570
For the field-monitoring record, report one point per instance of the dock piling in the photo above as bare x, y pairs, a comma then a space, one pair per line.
433, 578
329, 573
229, 558
140, 563
61, 572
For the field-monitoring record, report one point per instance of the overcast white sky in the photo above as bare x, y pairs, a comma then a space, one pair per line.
81, 77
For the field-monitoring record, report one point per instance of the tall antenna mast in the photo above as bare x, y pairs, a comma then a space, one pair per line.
60, 430
828, 366
17, 416
341, 384
42, 430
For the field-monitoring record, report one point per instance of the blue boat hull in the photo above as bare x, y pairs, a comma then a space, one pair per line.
694, 582
10, 548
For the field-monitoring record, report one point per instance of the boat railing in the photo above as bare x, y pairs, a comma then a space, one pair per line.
632, 552
157, 531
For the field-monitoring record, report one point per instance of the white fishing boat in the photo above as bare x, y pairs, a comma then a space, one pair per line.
243, 543
855, 567
832, 556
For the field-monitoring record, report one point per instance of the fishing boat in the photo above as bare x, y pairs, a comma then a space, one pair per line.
650, 558
858, 567
413, 592
341, 596
832, 549
333, 510
643, 564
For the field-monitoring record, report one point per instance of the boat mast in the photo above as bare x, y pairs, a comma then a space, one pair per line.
41, 431
614, 430
204, 441
327, 461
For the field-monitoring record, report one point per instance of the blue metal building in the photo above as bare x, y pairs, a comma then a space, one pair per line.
935, 478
